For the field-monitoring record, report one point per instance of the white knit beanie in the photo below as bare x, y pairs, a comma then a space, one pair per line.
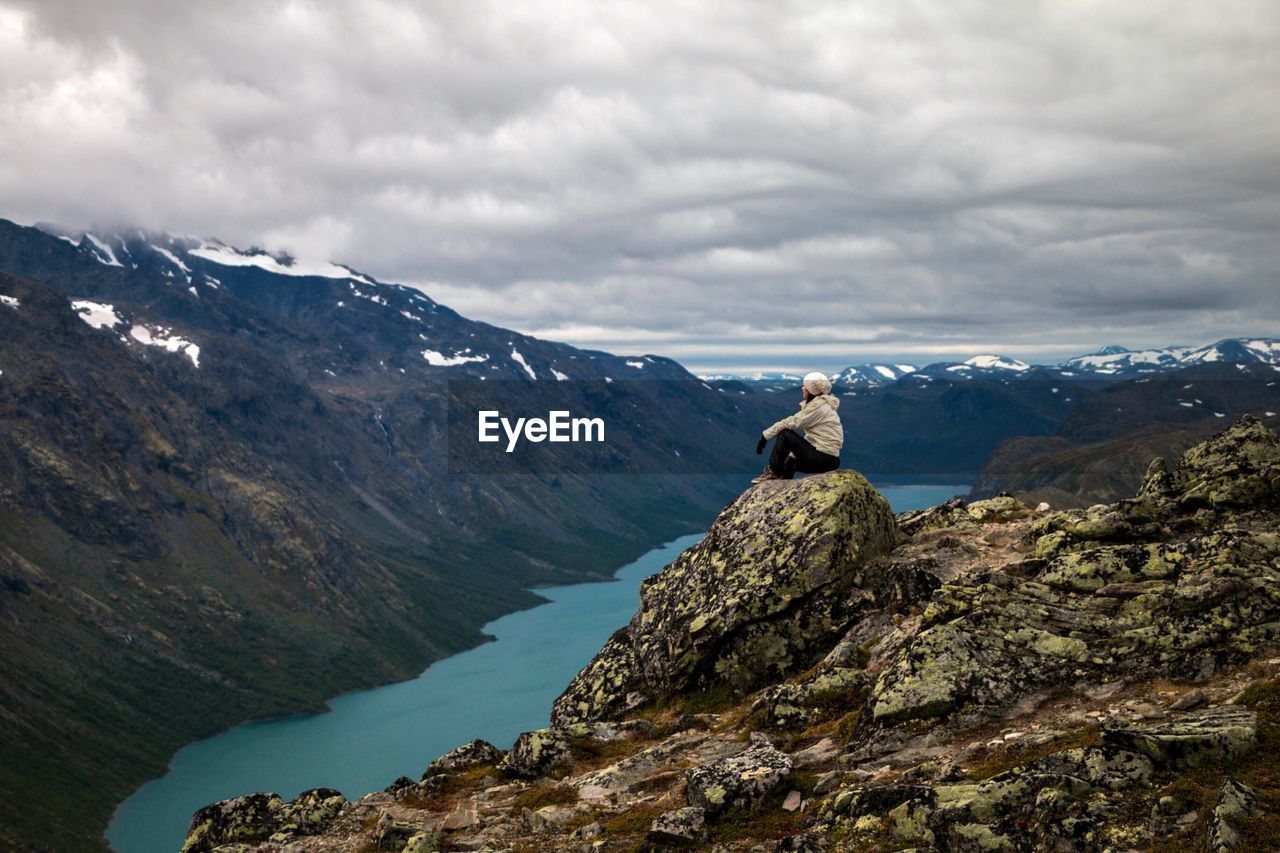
816, 383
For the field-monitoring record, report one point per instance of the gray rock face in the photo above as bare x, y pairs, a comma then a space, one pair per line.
742, 781
766, 593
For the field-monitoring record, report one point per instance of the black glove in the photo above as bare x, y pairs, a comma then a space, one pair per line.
760, 445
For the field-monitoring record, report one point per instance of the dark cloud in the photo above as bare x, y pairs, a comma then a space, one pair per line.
737, 184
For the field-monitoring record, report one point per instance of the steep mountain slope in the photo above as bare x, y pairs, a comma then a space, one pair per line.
1002, 679
1098, 452
943, 427
224, 493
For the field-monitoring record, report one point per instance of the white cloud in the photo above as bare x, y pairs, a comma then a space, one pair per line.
690, 175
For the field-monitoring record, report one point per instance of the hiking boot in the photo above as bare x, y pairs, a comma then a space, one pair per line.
766, 474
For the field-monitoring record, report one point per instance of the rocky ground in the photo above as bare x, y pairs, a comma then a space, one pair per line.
818, 675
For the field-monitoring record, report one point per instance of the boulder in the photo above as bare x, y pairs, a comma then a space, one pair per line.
536, 752
1235, 803
1209, 735
1237, 467
310, 812
1044, 804
422, 842
262, 817
392, 834
250, 818
473, 754
742, 781
687, 825
765, 594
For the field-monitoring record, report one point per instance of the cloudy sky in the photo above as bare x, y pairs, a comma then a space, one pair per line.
735, 184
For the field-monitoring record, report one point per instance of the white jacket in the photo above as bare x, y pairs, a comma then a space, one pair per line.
820, 423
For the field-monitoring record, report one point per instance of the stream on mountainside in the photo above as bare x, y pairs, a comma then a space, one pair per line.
369, 738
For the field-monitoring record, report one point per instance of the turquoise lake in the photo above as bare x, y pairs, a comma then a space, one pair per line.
368, 739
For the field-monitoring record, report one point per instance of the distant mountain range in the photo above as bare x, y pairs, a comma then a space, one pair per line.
1109, 363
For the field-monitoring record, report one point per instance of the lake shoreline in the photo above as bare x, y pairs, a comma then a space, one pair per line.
588, 595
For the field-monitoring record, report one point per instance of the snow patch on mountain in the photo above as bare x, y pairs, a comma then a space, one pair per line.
103, 252
438, 359
173, 259
229, 257
519, 359
11, 301
99, 315
162, 337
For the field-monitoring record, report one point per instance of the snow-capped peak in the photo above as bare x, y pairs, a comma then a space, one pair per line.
997, 362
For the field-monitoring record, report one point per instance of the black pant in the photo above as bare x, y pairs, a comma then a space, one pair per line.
804, 457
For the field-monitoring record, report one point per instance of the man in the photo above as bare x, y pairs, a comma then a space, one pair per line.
818, 449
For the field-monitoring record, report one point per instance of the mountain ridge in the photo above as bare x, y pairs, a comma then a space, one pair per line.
1109, 363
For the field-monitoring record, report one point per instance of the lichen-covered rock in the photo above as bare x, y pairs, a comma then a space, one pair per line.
249, 818
1235, 803
688, 824
472, 754
260, 817
799, 705
392, 834
1135, 589
948, 514
998, 509
536, 752
805, 842
1238, 467
1051, 803
633, 769
741, 781
1200, 737
422, 842
763, 595
309, 813
1156, 482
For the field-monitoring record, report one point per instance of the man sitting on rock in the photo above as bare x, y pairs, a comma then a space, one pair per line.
816, 451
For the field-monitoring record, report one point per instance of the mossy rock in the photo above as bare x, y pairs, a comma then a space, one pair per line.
764, 595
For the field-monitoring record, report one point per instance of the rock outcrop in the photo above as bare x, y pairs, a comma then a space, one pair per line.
261, 817
774, 581
1001, 678
1173, 583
